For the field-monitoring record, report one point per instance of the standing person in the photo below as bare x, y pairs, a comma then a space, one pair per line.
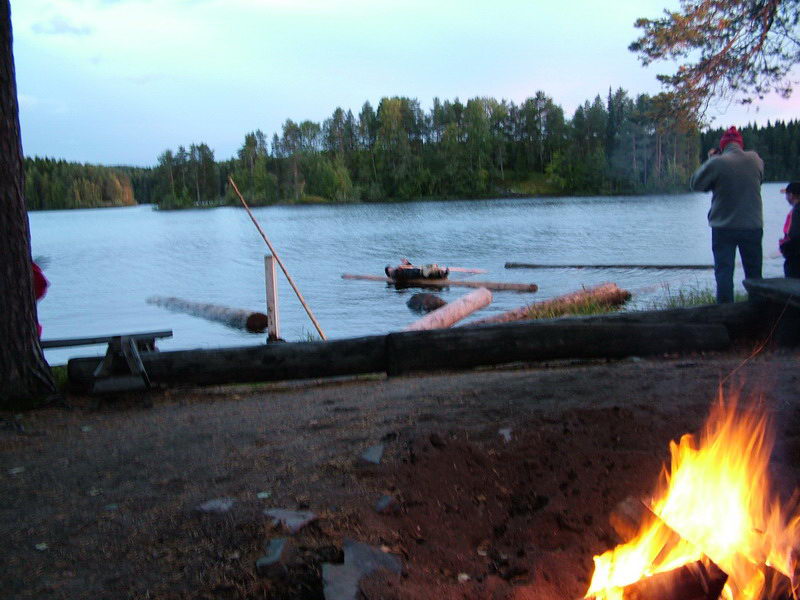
790, 242
734, 177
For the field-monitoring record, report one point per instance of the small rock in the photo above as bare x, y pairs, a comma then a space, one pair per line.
41, 546
95, 491
341, 581
217, 505
373, 454
86, 428
386, 505
463, 578
292, 520
273, 563
16, 470
436, 441
263, 495
505, 433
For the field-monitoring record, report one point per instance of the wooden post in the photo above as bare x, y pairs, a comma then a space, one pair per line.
271, 280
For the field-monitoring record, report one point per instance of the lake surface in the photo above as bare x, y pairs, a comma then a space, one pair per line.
104, 263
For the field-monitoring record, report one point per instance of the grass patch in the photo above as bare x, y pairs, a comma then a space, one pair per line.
60, 376
686, 297
587, 307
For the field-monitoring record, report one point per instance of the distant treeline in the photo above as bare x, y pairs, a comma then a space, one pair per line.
54, 184
778, 144
483, 148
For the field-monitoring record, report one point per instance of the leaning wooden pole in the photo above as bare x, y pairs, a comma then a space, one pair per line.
278, 260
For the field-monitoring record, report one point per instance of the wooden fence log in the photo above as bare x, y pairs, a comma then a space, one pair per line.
270, 362
454, 311
465, 347
607, 294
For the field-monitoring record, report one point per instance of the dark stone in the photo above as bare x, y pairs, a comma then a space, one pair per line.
273, 563
386, 505
216, 506
425, 302
341, 581
373, 454
292, 520
437, 441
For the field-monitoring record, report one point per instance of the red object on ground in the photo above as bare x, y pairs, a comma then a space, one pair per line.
40, 284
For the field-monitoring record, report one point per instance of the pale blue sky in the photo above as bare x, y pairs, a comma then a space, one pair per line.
119, 81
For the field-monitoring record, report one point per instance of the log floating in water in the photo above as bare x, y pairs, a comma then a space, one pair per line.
255, 322
607, 294
408, 351
440, 283
518, 265
453, 312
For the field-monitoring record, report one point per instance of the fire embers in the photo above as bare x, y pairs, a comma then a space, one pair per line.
714, 529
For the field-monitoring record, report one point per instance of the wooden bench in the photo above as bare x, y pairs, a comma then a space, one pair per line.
121, 368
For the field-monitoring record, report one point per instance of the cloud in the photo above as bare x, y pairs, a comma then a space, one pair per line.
58, 25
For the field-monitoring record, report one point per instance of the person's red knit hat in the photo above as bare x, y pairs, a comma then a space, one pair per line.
732, 135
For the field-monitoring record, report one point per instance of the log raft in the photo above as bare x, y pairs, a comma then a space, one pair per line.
442, 283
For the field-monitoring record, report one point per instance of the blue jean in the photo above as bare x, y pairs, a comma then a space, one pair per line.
724, 242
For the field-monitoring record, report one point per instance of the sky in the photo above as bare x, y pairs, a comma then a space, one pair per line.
119, 81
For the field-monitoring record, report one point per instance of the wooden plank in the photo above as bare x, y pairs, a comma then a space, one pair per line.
103, 339
778, 289
442, 283
271, 281
518, 265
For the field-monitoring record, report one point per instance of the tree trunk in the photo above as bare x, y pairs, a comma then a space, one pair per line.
25, 376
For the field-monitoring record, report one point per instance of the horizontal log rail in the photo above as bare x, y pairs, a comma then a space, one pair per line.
406, 352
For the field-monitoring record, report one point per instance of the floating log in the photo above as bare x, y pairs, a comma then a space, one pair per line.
441, 283
518, 265
466, 270
607, 294
408, 351
453, 312
254, 322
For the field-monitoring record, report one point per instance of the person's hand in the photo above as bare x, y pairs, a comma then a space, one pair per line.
712, 152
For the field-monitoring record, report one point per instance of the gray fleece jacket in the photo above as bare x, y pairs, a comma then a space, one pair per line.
734, 178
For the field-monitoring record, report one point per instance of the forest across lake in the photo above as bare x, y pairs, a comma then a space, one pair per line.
483, 148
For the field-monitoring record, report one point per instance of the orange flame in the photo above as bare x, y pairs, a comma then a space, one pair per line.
717, 497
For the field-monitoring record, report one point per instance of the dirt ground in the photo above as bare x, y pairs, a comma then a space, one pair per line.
98, 501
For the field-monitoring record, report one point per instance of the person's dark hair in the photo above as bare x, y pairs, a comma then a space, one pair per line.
793, 188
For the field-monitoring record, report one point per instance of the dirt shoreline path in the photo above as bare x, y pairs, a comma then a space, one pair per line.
99, 502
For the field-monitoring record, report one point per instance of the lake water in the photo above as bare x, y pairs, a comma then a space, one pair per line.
104, 263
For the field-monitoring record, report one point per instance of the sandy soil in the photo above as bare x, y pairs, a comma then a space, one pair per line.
98, 502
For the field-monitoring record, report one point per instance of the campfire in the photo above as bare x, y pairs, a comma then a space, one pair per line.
715, 528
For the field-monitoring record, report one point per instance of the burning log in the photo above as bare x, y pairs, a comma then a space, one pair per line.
699, 580
450, 313
607, 294
254, 322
